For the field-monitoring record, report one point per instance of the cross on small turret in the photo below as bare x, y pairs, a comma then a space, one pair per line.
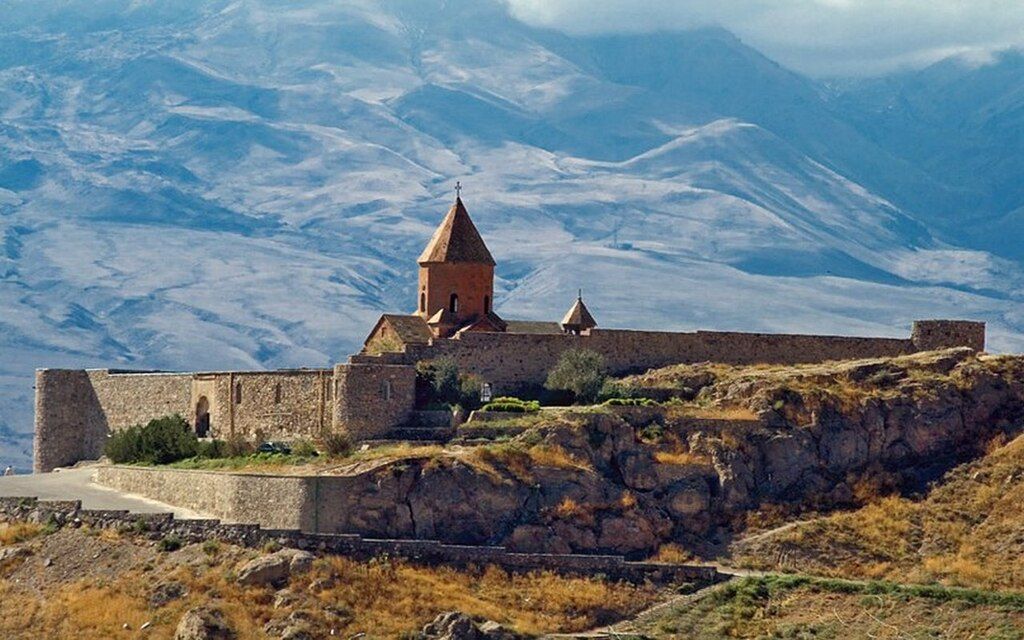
458, 189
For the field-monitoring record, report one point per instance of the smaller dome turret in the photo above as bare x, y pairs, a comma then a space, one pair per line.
578, 319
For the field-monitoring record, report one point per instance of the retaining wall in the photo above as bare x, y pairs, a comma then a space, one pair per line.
282, 502
70, 513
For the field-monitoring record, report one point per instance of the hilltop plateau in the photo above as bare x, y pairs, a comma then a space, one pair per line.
727, 443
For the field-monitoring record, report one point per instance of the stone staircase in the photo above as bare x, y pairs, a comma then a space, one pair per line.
421, 434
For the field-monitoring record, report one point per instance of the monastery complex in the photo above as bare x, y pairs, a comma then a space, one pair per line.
374, 392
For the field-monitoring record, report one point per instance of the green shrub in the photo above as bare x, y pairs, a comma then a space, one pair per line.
469, 390
630, 402
211, 449
338, 445
512, 405
653, 434
304, 448
580, 371
161, 441
439, 383
237, 446
125, 445
170, 543
615, 389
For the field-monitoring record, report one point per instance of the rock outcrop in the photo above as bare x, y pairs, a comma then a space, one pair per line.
627, 479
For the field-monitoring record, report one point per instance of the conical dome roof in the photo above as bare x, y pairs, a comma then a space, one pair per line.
578, 318
457, 240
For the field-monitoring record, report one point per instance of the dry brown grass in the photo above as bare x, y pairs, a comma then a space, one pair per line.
714, 412
627, 501
570, 509
965, 532
19, 532
554, 456
673, 554
521, 461
680, 458
497, 460
383, 599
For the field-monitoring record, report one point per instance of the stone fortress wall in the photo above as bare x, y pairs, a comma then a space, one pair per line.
512, 361
76, 409
372, 394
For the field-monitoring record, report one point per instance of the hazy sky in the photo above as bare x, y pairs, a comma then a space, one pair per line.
818, 37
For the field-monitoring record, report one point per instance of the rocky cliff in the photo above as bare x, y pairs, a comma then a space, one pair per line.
627, 479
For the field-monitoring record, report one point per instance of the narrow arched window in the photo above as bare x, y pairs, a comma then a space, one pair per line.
386, 390
277, 393
453, 303
423, 301
487, 304
238, 393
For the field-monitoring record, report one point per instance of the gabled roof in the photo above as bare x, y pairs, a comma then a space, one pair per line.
457, 240
579, 317
532, 326
410, 329
489, 322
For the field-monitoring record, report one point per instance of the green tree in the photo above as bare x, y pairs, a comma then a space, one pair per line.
579, 371
161, 441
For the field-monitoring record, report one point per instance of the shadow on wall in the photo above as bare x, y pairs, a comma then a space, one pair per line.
70, 424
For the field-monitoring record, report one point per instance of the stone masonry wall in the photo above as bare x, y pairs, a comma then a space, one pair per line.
930, 335
75, 410
510, 361
431, 552
267, 405
372, 398
279, 502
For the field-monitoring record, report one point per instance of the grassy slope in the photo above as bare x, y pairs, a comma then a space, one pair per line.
796, 607
101, 580
968, 530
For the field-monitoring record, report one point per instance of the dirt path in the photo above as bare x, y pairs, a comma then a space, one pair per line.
77, 484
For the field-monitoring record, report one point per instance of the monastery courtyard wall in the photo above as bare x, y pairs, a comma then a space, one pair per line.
76, 409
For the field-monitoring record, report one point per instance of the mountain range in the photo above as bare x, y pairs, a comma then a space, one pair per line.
246, 184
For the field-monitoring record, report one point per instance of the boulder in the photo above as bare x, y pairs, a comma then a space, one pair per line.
298, 561
166, 592
203, 623
455, 625
276, 568
624, 535
11, 553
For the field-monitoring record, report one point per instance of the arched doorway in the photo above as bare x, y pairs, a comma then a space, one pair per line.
202, 417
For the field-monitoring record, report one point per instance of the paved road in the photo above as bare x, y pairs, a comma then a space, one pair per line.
77, 484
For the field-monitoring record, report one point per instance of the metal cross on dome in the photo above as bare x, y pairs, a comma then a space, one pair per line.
458, 189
